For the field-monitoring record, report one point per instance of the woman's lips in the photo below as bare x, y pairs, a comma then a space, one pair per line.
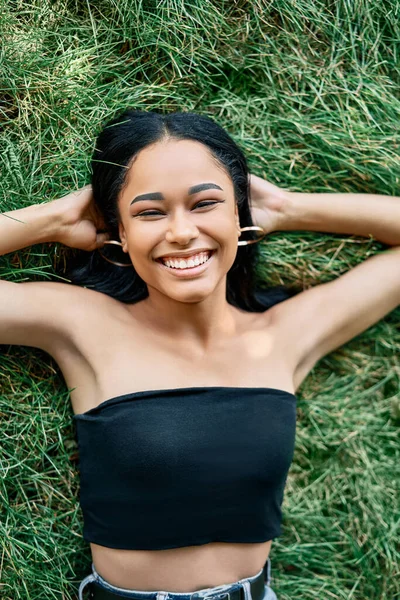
189, 272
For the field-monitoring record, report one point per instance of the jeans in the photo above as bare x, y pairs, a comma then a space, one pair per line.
198, 595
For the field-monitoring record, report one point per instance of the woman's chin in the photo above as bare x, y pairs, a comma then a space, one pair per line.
197, 293
192, 298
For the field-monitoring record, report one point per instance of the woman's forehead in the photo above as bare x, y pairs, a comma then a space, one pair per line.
176, 164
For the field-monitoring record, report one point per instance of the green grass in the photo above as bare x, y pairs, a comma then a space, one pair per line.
310, 90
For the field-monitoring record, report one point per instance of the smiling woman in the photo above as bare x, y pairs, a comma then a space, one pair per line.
151, 172
182, 379
174, 189
190, 219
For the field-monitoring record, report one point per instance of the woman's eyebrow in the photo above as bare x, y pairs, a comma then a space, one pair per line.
193, 190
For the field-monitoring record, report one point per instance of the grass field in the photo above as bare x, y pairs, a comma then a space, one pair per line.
310, 90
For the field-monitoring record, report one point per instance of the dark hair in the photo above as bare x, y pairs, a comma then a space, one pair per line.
121, 140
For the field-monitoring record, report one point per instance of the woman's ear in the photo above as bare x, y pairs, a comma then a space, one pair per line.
122, 237
237, 218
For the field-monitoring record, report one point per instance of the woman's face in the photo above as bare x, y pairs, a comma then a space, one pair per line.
178, 210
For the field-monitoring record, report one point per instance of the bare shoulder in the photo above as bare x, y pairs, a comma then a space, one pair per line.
71, 323
324, 317
45, 314
289, 316
72, 298
65, 290
292, 323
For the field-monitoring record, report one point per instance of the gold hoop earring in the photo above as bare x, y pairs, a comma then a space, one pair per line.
252, 228
112, 261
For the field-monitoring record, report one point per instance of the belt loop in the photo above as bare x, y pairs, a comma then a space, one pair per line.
268, 571
84, 583
247, 590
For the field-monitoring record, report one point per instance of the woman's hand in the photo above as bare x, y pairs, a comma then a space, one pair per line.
267, 204
80, 221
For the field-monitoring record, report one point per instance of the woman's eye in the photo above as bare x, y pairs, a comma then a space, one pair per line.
148, 213
202, 204
205, 203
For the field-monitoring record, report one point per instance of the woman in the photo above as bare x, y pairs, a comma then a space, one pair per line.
183, 375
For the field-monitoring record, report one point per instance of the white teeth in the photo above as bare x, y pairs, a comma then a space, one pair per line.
190, 263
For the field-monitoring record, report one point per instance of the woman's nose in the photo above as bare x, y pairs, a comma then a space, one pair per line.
181, 230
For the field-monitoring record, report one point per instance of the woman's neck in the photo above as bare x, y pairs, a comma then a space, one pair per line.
201, 324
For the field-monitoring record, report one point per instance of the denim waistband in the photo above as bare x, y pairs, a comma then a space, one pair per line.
163, 595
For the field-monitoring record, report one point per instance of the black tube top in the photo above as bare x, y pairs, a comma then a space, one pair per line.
184, 467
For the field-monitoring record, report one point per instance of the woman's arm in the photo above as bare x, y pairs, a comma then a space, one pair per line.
354, 214
24, 227
72, 220
326, 316
276, 209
